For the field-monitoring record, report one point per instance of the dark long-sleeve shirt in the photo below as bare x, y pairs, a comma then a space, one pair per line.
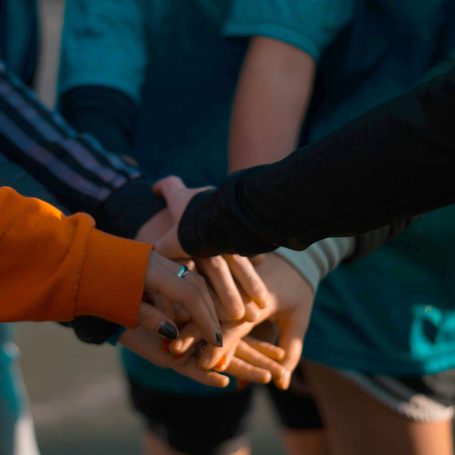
392, 162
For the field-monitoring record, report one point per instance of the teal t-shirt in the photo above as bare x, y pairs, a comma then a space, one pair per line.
392, 312
193, 51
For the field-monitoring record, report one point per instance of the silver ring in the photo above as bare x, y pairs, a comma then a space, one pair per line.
183, 270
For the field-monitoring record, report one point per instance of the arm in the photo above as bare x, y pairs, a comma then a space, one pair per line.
50, 266
48, 159
272, 95
72, 166
395, 161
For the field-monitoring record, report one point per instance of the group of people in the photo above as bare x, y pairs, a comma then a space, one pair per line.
320, 272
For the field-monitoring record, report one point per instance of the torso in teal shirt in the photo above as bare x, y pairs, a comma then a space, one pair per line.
392, 312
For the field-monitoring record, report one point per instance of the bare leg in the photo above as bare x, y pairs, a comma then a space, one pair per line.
155, 446
305, 442
358, 424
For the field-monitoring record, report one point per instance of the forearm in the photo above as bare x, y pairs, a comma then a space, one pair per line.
319, 259
76, 170
395, 161
272, 94
55, 268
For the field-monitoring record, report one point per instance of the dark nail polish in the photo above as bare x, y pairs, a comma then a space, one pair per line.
166, 329
219, 338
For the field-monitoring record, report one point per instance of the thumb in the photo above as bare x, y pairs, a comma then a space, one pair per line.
168, 186
156, 322
291, 341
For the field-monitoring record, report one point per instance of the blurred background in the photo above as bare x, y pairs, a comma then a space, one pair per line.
77, 393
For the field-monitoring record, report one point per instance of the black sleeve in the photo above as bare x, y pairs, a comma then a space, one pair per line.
393, 162
106, 113
110, 116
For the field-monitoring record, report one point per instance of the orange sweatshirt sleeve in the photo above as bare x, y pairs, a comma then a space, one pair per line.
54, 268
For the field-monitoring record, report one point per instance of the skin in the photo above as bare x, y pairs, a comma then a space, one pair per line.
357, 423
176, 302
271, 98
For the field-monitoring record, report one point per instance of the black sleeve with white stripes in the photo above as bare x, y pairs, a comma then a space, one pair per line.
72, 166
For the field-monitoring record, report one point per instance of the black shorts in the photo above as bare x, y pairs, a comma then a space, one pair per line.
222, 421
199, 425
221, 424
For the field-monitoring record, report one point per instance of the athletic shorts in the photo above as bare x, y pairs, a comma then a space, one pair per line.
195, 424
221, 424
428, 398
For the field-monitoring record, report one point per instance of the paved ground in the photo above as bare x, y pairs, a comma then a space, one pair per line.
76, 391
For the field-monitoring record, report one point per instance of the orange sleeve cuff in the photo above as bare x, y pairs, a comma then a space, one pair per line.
112, 278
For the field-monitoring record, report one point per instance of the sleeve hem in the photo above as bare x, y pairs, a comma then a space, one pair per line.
276, 31
112, 279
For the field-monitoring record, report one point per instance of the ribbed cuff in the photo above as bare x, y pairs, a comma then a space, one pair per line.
128, 208
319, 259
112, 279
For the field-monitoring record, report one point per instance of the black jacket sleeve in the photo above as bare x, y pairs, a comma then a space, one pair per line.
395, 161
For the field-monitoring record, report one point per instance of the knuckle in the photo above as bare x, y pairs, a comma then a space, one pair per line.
215, 263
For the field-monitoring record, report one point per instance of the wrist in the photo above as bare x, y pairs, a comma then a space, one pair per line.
319, 259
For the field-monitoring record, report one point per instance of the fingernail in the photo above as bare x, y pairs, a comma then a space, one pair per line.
285, 380
219, 338
167, 330
221, 364
176, 345
199, 347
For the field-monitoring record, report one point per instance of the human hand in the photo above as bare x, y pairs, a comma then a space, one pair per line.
190, 291
224, 273
177, 197
290, 304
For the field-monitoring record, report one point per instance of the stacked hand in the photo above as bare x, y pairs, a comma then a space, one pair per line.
234, 297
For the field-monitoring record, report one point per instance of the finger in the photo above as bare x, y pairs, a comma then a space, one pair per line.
168, 186
156, 322
189, 335
149, 347
225, 360
218, 273
181, 315
232, 333
248, 278
247, 372
210, 378
291, 341
256, 358
190, 291
165, 306
268, 349
252, 312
